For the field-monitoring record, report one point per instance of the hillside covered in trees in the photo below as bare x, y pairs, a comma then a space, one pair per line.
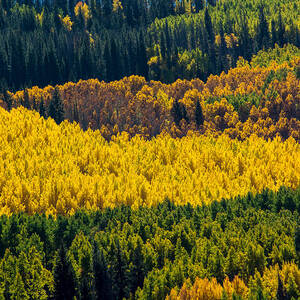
150, 149
54, 41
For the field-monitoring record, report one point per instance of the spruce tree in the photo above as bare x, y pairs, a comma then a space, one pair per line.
176, 112
138, 270
103, 284
56, 107
107, 59
222, 53
8, 100
281, 295
184, 112
263, 35
273, 33
64, 277
42, 108
142, 57
115, 61
26, 102
199, 114
281, 31
209, 27
119, 272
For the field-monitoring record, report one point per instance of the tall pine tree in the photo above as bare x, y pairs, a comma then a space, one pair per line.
64, 277
56, 107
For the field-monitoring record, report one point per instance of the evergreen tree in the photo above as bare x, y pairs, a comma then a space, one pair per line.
64, 277
56, 107
273, 33
263, 35
26, 102
176, 112
222, 53
8, 100
281, 295
103, 284
199, 114
115, 66
142, 57
107, 59
138, 271
119, 271
179, 112
42, 109
184, 112
281, 31
209, 27
245, 39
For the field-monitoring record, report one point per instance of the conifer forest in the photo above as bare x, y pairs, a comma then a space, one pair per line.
150, 149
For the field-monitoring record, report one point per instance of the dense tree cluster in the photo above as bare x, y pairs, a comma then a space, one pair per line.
149, 149
246, 244
58, 169
261, 97
197, 45
52, 42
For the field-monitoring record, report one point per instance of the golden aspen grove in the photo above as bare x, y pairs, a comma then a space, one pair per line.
58, 169
149, 150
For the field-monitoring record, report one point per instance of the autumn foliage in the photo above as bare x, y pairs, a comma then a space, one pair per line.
267, 283
50, 168
249, 99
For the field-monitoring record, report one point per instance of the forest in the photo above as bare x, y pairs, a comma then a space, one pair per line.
56, 41
240, 248
150, 149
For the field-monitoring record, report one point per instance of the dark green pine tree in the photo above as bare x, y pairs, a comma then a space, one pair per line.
222, 52
209, 27
163, 49
8, 100
199, 118
103, 284
138, 270
107, 59
26, 102
184, 112
115, 61
263, 34
64, 277
246, 48
281, 294
281, 31
176, 112
142, 57
42, 109
118, 269
56, 107
273, 33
